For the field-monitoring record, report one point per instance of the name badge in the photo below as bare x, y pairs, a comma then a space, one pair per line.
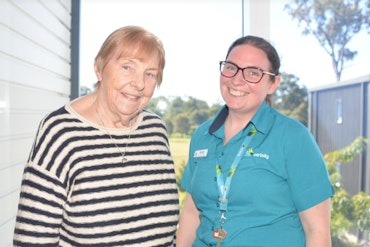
200, 153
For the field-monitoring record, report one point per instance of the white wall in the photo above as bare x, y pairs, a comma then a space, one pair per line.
259, 18
34, 79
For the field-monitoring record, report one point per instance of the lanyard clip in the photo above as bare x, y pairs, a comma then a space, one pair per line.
222, 218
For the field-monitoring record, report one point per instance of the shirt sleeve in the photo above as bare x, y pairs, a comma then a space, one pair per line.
306, 168
41, 202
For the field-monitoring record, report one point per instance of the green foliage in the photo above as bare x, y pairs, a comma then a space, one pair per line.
175, 107
347, 212
180, 115
158, 105
182, 124
362, 210
341, 213
199, 116
333, 23
348, 153
169, 125
291, 99
180, 150
194, 104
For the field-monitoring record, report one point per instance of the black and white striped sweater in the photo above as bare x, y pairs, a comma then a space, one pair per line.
77, 192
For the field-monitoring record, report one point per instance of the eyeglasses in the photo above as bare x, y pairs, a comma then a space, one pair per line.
250, 74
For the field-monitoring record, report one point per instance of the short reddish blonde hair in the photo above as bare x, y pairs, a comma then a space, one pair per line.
133, 42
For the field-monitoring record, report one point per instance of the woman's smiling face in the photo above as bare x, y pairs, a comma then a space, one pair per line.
128, 84
240, 95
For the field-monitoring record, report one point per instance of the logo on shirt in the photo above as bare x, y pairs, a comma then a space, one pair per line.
250, 152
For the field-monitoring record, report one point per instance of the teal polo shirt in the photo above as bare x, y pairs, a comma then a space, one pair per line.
281, 173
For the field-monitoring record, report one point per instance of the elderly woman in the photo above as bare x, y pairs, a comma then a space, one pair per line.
100, 172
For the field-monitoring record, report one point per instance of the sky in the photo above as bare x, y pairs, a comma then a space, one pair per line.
196, 35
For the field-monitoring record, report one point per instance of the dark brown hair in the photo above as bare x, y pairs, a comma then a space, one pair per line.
265, 46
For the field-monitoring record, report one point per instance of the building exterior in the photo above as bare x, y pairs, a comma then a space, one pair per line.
36, 76
338, 114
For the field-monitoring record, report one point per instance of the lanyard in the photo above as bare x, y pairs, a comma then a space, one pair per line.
224, 187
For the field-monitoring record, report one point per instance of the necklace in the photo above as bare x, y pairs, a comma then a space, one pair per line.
124, 159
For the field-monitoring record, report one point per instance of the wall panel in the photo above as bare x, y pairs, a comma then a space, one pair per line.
35, 78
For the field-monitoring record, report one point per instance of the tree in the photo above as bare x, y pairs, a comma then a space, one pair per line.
291, 99
333, 23
199, 116
175, 107
347, 212
182, 115
195, 104
182, 124
169, 125
158, 105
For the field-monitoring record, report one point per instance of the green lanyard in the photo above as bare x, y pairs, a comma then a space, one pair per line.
224, 187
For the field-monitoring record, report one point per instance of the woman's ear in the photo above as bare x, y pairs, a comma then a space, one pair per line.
274, 85
97, 72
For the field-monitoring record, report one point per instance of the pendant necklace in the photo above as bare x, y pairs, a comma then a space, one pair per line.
124, 159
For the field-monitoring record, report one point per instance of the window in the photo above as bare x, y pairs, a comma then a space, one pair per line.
339, 111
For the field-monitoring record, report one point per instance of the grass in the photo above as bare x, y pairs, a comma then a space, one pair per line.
180, 149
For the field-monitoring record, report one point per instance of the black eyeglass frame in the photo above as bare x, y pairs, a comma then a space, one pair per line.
222, 63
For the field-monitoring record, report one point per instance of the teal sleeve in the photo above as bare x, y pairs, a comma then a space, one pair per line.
307, 172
